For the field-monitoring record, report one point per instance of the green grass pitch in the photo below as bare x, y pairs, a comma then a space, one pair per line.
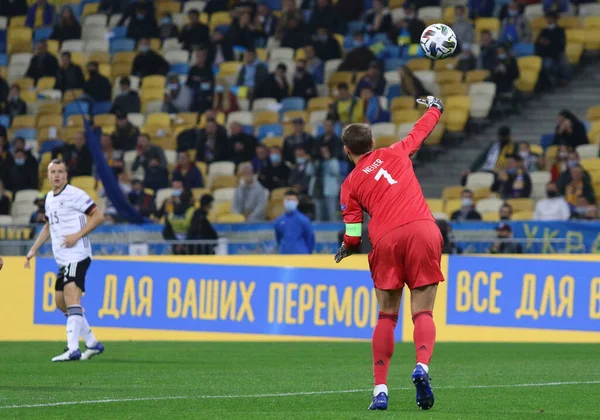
296, 381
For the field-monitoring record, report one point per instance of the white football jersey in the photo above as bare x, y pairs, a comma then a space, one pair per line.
66, 214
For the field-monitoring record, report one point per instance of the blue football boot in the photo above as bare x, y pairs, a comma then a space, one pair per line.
90, 352
424, 392
68, 357
380, 402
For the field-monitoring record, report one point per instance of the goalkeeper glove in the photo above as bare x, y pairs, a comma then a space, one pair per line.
432, 101
342, 253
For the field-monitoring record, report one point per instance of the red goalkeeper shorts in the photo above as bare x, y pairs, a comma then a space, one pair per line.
410, 254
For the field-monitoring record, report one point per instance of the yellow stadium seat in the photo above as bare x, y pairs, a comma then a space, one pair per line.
154, 81
229, 68
74, 121
490, 24
4, 72
51, 108
531, 63
593, 113
435, 204
278, 193
90, 9
152, 94
18, 33
490, 216
449, 76
19, 46
455, 120
167, 142
591, 22
462, 102
78, 58
52, 120
202, 166
45, 83
448, 15
417, 64
476, 76
405, 116
385, 141
340, 77
575, 35
220, 18
452, 205
402, 102
48, 133
123, 57
481, 193
186, 118
522, 215
300, 54
275, 210
84, 182
25, 83
265, 117
199, 192
220, 119
527, 81
231, 218
446, 64
262, 54
273, 142
289, 116
320, 103
435, 137
592, 40
574, 52
591, 164
452, 192
521, 204
17, 21
223, 181
29, 96
71, 95
569, 22
159, 119
105, 120
101, 57
53, 46
23, 121
451, 89
220, 208
120, 70
167, 7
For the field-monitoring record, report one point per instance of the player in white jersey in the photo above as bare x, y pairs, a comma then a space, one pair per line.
70, 216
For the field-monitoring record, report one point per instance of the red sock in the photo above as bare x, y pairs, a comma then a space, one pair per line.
383, 346
424, 336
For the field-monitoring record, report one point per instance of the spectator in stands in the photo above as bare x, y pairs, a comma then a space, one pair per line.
250, 197
462, 26
299, 178
126, 135
560, 165
584, 210
578, 186
466, 60
487, 51
19, 143
242, 31
253, 73
113, 157
42, 63
565, 178
481, 8
467, 208
6, 159
127, 101
505, 212
167, 28
38, 217
492, 157
3, 95
167, 204
304, 84
22, 176
531, 161
69, 75
145, 152
505, 71
324, 185
325, 15
553, 208
148, 62
569, 130
187, 172
4, 201
295, 34
294, 232
265, 21
410, 84
224, 100
77, 156
156, 175
326, 47
98, 87
329, 139
243, 145
201, 229
140, 200
550, 45
112, 7
513, 181
211, 142
299, 138
276, 173
40, 14
515, 26
13, 8
378, 19
194, 32
178, 221
67, 28
346, 109
412, 25
359, 57
143, 24
504, 245
220, 48
14, 104
374, 111
178, 97
201, 74
275, 85
373, 79
314, 65
260, 159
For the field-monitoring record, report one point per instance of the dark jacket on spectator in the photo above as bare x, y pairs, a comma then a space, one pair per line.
304, 87
295, 38
208, 152
261, 74
24, 177
249, 144
194, 35
226, 50
333, 142
69, 78
144, 28
459, 215
329, 18
79, 162
10, 8
127, 103
274, 176
292, 142
198, 75
65, 32
142, 202
386, 24
125, 138
517, 185
3, 95
156, 177
42, 66
192, 177
557, 39
415, 28
150, 63
4, 205
271, 89
98, 87
143, 160
111, 7
328, 50
504, 80
14, 108
201, 229
244, 37
357, 60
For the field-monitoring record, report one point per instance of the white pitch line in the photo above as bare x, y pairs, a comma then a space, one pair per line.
286, 394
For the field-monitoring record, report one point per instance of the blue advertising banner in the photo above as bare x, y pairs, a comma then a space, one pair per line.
219, 298
524, 293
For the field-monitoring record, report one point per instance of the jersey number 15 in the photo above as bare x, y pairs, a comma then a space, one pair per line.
383, 173
53, 218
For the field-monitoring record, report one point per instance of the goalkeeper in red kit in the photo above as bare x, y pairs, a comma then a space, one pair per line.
407, 243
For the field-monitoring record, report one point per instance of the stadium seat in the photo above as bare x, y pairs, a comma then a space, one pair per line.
522, 216
273, 141
402, 103
591, 22
383, 129
222, 181
384, 141
289, 116
490, 24
292, 104
539, 179
591, 164
269, 130
575, 36
121, 44
455, 120
229, 68
265, 104
452, 192
477, 76
489, 205
523, 49
453, 89
242, 117
449, 63
279, 54
435, 204
459, 103
479, 180
23, 121
527, 81
534, 11
223, 194
521, 204
321, 103
452, 205
405, 116
265, 118
588, 151
592, 40
449, 76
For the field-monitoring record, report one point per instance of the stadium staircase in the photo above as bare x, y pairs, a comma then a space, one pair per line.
537, 117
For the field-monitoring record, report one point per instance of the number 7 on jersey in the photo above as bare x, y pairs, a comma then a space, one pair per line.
383, 173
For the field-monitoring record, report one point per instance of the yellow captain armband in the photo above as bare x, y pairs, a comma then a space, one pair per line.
354, 229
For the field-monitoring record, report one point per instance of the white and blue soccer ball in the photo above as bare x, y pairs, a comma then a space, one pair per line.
438, 41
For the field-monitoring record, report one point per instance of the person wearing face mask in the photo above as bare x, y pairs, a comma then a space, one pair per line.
314, 65
359, 57
467, 208
299, 178
179, 220
531, 161
505, 213
142, 24
167, 28
148, 62
462, 27
513, 181
276, 173
22, 176
515, 27
294, 231
299, 138
572, 160
492, 158
69, 75
295, 35
250, 197
97, 87
504, 245
569, 130
505, 71
194, 32
140, 200
14, 104
275, 85
178, 97
304, 84
127, 101
201, 229
584, 210
578, 186
325, 46
125, 136
553, 208
550, 45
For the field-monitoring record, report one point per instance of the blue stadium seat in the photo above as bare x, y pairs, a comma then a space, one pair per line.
180, 68
26, 133
393, 91
390, 51
121, 44
547, 140
356, 26
119, 32
273, 130
238, 49
42, 34
248, 129
3, 60
381, 38
273, 4
76, 108
292, 104
522, 50
101, 107
393, 64
50, 145
5, 120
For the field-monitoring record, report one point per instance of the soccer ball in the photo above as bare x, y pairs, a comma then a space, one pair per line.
438, 41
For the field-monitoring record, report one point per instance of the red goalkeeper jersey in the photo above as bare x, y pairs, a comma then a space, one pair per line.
384, 185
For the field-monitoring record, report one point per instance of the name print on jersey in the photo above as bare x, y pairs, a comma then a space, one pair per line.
373, 166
